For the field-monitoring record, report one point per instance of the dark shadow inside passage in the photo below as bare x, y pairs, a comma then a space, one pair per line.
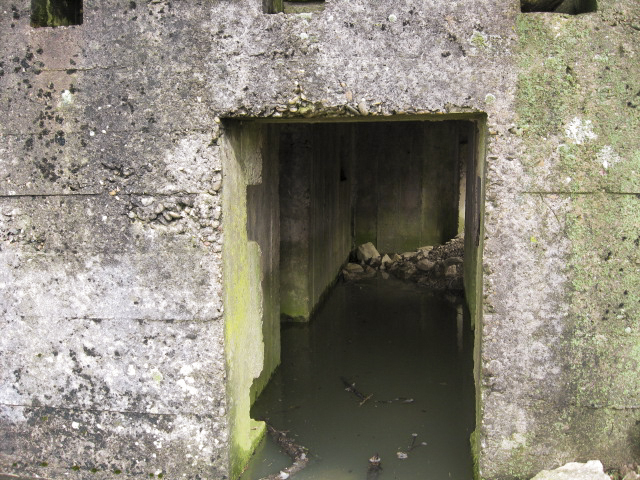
397, 185
571, 7
400, 185
56, 13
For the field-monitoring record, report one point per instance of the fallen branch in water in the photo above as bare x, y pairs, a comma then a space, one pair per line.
365, 399
351, 387
298, 454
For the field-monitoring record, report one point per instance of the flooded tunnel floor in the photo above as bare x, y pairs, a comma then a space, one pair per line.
394, 341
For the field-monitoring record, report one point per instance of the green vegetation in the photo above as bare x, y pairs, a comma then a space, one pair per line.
56, 13
578, 119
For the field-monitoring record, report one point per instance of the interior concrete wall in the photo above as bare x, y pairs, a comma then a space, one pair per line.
407, 184
263, 227
315, 195
252, 278
295, 230
331, 208
475, 165
393, 184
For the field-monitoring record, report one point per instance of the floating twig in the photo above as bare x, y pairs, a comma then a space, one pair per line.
298, 454
351, 387
413, 442
404, 455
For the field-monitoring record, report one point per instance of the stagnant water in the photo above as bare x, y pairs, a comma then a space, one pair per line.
394, 341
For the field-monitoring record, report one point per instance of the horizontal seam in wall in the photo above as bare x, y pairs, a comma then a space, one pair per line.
86, 69
23, 195
108, 195
607, 407
126, 319
203, 130
96, 410
595, 192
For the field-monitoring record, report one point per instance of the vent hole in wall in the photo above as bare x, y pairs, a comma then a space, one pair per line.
292, 6
571, 7
56, 13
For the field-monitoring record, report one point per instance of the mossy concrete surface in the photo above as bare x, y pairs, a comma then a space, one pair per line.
577, 99
250, 275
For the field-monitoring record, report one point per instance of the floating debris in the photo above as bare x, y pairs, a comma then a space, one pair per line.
351, 387
375, 467
404, 455
297, 453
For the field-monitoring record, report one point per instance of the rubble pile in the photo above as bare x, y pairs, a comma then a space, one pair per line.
437, 267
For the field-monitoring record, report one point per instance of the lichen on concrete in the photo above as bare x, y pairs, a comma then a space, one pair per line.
580, 161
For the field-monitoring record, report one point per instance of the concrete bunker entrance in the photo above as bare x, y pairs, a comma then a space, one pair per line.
300, 196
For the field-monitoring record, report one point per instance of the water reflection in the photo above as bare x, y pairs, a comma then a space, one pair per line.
395, 343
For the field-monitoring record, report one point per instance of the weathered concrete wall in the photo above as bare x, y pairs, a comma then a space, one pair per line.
263, 227
559, 349
330, 208
112, 334
112, 353
251, 277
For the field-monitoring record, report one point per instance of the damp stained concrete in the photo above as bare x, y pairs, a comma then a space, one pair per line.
394, 340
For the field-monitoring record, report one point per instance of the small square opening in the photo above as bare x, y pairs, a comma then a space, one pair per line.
570, 7
56, 13
292, 6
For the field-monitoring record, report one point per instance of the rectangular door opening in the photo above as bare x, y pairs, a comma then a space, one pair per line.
311, 193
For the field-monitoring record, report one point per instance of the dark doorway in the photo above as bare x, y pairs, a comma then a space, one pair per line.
56, 13
312, 192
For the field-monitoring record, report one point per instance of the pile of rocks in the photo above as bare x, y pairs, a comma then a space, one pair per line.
438, 267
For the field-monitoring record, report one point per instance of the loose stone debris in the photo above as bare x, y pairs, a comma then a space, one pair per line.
592, 470
629, 471
437, 267
626, 472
